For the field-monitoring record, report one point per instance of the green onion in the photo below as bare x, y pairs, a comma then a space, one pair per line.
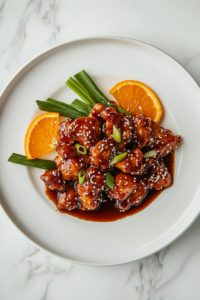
123, 111
81, 176
118, 158
117, 134
81, 149
76, 104
68, 112
36, 163
58, 102
80, 91
110, 181
150, 153
80, 105
91, 89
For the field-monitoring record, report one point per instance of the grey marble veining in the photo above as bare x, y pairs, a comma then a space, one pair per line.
28, 28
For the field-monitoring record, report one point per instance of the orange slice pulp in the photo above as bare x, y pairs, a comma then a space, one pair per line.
41, 135
137, 98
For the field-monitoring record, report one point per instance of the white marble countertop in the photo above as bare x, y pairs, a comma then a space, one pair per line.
28, 27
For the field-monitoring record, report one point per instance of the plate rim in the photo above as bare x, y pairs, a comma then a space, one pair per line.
4, 90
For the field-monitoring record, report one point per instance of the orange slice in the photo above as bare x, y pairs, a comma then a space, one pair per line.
137, 98
41, 135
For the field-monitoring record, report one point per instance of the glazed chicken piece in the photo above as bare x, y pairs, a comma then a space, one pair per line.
86, 131
124, 185
122, 122
70, 162
111, 116
160, 177
163, 141
148, 162
53, 180
101, 152
126, 125
135, 198
63, 136
142, 131
90, 191
69, 199
132, 163
96, 112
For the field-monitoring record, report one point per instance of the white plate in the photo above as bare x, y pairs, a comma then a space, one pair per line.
108, 61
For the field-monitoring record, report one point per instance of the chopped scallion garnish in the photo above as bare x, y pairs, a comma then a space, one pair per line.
117, 134
81, 176
110, 181
150, 154
118, 158
81, 149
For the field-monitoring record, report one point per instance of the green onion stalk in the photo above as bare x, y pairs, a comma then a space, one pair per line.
36, 163
91, 88
63, 109
80, 91
80, 105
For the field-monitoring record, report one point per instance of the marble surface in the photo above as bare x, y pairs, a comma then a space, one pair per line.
29, 27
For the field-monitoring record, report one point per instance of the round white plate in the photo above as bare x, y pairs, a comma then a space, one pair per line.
108, 61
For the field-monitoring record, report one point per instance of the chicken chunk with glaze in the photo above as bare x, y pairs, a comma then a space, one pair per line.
111, 116
90, 191
69, 199
87, 131
122, 121
142, 131
160, 177
132, 163
124, 184
162, 140
63, 136
53, 180
70, 162
135, 198
101, 152
126, 128
96, 112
